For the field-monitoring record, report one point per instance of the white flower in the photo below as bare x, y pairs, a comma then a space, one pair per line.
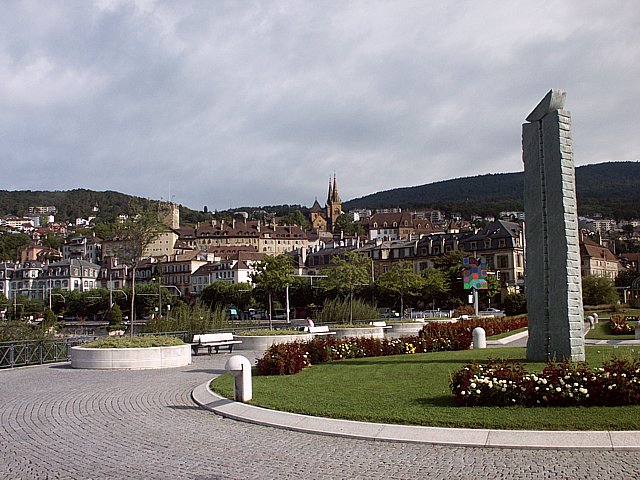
478, 392
558, 389
473, 385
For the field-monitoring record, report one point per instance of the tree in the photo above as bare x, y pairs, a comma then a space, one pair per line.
53, 241
272, 275
626, 277
451, 264
435, 286
134, 236
114, 316
349, 272
401, 280
515, 304
11, 244
493, 287
226, 294
598, 291
344, 224
296, 218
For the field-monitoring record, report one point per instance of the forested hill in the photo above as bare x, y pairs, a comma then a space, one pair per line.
612, 189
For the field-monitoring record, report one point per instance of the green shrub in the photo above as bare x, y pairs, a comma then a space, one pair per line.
263, 332
11, 331
337, 311
598, 291
515, 304
290, 358
145, 341
197, 318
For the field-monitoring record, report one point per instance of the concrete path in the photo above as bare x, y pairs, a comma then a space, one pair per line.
57, 422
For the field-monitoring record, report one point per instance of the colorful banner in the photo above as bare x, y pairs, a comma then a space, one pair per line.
474, 273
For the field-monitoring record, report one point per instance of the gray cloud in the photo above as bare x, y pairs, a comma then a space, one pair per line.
252, 103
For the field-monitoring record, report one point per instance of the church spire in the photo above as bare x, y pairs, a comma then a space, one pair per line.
335, 198
330, 194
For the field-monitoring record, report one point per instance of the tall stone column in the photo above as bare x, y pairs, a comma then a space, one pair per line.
553, 284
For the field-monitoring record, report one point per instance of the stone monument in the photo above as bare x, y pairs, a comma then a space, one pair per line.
553, 284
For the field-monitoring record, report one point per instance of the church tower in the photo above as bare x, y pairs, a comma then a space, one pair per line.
334, 203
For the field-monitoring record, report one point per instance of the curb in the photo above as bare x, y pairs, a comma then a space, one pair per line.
529, 439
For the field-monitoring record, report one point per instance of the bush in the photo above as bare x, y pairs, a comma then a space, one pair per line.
515, 304
458, 336
290, 358
505, 382
197, 318
619, 325
114, 316
135, 342
464, 310
11, 331
337, 311
598, 291
284, 359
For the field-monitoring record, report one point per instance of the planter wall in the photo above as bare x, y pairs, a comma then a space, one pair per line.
369, 332
405, 329
261, 343
130, 358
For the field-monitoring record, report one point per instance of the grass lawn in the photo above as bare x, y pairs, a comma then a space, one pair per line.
601, 331
414, 389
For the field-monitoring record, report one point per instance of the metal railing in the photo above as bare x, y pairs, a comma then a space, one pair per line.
38, 352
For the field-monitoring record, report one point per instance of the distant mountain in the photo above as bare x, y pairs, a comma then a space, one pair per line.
78, 203
612, 189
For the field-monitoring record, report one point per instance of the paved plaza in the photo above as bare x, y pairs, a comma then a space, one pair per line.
58, 422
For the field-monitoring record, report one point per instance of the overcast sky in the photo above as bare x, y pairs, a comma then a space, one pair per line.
239, 103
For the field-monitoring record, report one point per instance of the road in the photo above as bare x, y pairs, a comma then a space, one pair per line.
58, 422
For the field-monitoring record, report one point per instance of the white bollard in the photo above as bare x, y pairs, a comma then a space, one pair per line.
591, 320
240, 368
595, 318
479, 338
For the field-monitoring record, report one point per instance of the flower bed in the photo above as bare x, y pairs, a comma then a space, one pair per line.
501, 383
458, 336
290, 358
620, 325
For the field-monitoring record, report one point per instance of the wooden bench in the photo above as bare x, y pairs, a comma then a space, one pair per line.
213, 340
320, 330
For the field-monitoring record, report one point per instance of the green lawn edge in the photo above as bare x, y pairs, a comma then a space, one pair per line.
414, 390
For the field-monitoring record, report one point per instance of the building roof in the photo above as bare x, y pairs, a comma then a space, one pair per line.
591, 249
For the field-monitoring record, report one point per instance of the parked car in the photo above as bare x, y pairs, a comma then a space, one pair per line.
388, 313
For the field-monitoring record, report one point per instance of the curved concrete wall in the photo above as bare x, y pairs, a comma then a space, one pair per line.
130, 358
370, 332
261, 343
406, 329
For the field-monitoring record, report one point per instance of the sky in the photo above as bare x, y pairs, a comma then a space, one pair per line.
252, 103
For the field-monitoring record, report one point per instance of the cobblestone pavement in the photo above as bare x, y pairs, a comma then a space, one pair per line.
57, 422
